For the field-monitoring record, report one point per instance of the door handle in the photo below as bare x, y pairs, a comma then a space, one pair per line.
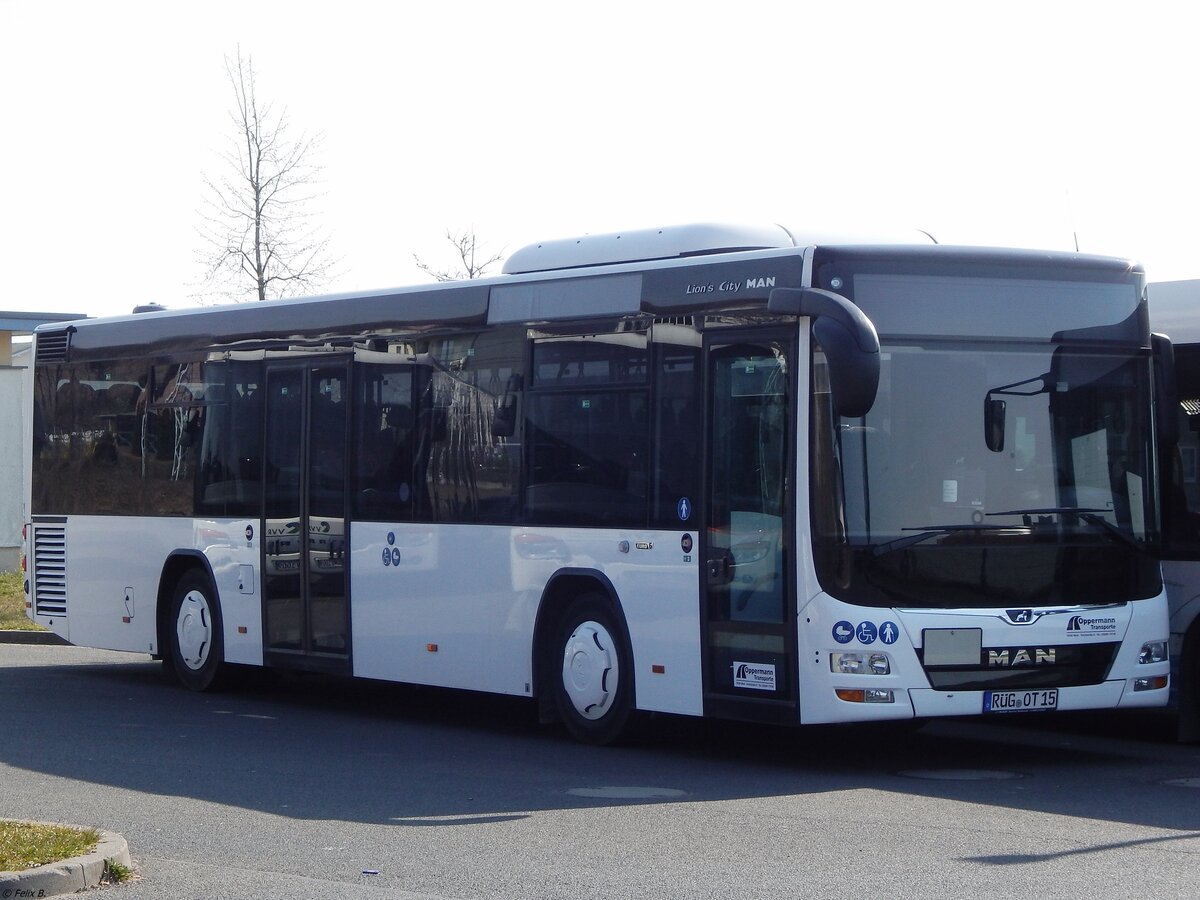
720, 569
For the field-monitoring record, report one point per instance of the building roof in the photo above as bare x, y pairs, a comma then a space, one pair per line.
25, 322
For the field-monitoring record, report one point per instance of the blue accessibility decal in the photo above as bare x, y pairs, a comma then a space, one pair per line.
684, 509
888, 632
843, 632
866, 632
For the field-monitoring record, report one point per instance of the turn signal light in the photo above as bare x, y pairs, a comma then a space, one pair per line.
1150, 684
869, 695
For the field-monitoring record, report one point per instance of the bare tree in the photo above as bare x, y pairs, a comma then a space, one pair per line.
258, 227
472, 261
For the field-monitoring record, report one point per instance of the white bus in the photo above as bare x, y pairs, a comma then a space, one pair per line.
700, 471
1175, 311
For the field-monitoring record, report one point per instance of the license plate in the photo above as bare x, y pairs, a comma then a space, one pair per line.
1019, 701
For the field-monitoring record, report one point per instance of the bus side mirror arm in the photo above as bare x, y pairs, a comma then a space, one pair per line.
848, 338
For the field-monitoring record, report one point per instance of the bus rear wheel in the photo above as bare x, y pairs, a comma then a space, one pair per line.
197, 647
592, 672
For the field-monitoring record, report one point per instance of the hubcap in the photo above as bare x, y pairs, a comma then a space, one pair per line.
194, 630
590, 672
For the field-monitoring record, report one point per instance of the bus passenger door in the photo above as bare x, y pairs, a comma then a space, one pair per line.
748, 601
305, 609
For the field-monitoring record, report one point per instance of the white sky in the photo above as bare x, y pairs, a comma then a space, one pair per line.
1017, 124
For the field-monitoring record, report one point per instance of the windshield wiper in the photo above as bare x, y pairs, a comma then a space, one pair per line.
1049, 511
1085, 513
925, 532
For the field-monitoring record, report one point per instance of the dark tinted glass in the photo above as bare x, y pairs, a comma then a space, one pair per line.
587, 457
229, 479
677, 436
590, 360
382, 464
117, 438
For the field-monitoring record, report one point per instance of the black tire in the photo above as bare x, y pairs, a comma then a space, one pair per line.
591, 670
197, 649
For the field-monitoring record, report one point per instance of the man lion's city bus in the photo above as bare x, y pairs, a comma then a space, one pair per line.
704, 471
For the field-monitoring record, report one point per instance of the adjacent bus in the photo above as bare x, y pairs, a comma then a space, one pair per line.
1175, 311
703, 471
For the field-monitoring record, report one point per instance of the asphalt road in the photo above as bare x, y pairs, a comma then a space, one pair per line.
321, 788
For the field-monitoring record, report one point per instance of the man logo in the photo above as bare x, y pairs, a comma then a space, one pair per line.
1022, 656
1020, 616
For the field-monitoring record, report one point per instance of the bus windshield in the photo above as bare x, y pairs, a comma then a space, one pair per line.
992, 474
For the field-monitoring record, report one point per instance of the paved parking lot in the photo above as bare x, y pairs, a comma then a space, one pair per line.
313, 787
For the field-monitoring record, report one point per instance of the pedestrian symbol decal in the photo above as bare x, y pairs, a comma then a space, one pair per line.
888, 632
684, 509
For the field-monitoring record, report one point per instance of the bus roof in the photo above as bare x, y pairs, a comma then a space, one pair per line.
644, 245
682, 241
711, 275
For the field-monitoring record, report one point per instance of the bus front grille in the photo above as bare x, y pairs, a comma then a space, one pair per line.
1021, 668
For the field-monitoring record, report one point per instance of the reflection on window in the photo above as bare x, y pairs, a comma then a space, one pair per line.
590, 359
115, 438
383, 463
429, 432
229, 480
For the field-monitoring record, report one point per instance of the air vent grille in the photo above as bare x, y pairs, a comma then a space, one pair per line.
50, 570
52, 346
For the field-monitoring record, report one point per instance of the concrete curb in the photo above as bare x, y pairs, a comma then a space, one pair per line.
30, 637
70, 875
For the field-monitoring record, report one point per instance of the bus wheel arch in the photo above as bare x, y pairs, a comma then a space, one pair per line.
191, 640
583, 659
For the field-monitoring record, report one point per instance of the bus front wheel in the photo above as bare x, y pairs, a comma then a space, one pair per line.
592, 672
197, 648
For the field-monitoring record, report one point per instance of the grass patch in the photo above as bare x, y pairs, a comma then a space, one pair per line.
12, 604
24, 845
116, 873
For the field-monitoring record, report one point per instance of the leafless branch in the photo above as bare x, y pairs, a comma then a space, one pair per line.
472, 261
257, 226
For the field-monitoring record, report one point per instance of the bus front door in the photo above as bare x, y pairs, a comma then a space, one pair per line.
305, 609
748, 601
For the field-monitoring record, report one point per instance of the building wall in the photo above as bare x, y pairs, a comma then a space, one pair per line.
12, 482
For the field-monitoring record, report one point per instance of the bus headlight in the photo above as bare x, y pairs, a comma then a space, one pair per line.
1153, 652
860, 663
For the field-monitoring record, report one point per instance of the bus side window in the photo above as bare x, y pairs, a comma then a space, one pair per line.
382, 462
677, 435
229, 464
